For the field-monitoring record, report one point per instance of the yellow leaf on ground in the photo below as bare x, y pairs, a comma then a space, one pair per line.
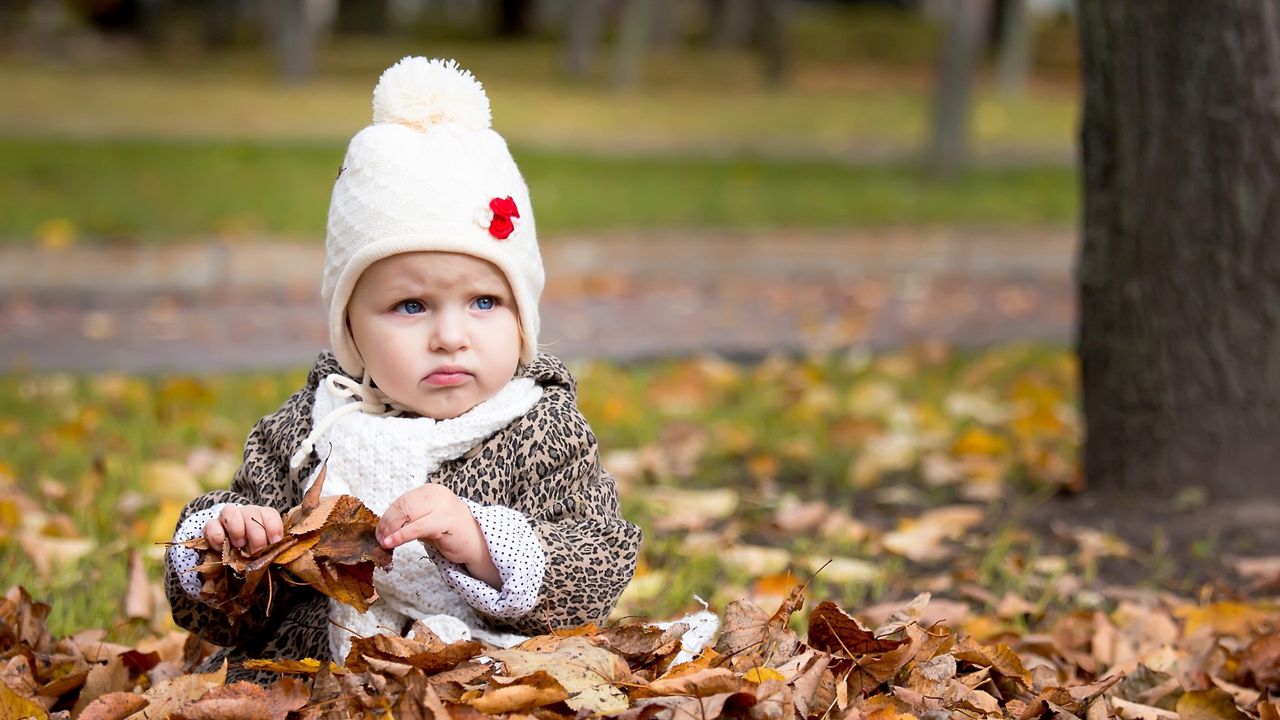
1212, 704
169, 479
980, 441
13, 705
760, 674
1224, 618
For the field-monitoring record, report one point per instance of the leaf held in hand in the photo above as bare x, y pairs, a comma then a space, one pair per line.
329, 543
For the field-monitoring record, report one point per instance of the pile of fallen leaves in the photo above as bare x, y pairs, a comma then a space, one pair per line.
1153, 657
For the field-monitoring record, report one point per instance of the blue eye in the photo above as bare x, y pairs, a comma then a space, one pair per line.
486, 303
410, 307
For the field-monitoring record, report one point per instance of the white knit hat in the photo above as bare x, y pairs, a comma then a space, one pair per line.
429, 174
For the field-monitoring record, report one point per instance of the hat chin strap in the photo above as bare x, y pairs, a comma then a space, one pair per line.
369, 399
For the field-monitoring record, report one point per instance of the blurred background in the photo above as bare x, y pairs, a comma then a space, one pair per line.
811, 262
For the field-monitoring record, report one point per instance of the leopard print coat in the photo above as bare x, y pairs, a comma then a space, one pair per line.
545, 464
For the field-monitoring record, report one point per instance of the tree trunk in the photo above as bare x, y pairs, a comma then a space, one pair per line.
586, 20
966, 21
1015, 46
293, 40
633, 42
731, 23
515, 18
1179, 270
771, 26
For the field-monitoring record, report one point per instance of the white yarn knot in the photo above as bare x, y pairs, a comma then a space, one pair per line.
369, 399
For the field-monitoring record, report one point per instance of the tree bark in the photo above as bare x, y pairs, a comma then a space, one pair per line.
293, 40
1015, 46
1179, 269
515, 18
582, 37
966, 21
634, 34
771, 26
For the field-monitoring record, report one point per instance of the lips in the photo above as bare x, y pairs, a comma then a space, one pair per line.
448, 375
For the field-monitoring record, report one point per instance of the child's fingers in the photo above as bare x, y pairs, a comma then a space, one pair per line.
273, 525
255, 530
396, 517
233, 521
214, 533
417, 529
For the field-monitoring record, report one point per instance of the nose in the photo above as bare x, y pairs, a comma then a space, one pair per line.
449, 333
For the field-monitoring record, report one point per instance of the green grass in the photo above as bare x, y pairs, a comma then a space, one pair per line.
165, 190
79, 454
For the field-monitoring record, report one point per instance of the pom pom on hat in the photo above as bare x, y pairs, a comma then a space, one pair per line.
420, 92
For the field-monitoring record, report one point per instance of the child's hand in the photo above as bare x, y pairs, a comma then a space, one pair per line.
250, 527
434, 515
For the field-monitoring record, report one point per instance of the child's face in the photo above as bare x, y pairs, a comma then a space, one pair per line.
438, 332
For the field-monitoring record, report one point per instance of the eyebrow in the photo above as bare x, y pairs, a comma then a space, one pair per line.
485, 286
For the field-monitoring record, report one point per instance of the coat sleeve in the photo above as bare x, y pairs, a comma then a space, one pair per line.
572, 504
262, 479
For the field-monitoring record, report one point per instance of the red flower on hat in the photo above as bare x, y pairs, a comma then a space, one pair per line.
503, 210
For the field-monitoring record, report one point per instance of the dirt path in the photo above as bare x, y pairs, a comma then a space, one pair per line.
214, 306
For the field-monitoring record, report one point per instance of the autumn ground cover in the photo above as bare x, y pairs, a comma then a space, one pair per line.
893, 473
868, 478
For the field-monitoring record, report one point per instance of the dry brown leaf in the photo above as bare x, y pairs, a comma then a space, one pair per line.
732, 704
113, 706
58, 673
1128, 710
521, 694
22, 620
469, 672
170, 697
999, 657
921, 539
425, 652
103, 679
248, 701
810, 691
833, 630
793, 517
698, 683
139, 601
589, 673
749, 638
920, 645
1260, 661
642, 645
1073, 699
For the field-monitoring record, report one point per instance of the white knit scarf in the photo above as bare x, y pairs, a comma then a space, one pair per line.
377, 456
